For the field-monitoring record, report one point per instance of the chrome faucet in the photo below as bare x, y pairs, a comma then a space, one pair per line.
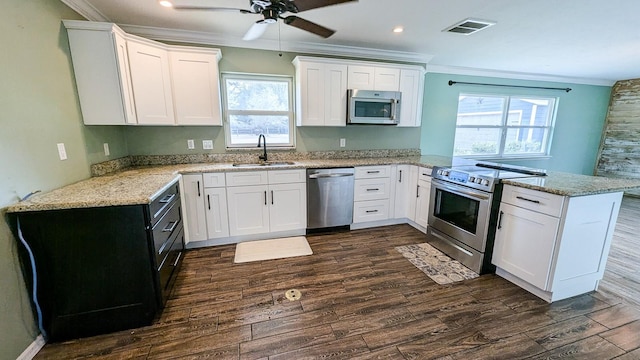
263, 157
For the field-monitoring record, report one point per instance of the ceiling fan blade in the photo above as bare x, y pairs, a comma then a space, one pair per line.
210, 8
309, 26
255, 31
304, 5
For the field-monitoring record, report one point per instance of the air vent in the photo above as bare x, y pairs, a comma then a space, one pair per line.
469, 26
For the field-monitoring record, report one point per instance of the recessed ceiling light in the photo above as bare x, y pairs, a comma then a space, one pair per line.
398, 29
165, 3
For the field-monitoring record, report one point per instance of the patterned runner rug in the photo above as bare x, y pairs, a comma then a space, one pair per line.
438, 266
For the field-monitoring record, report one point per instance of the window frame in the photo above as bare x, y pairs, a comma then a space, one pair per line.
504, 127
227, 112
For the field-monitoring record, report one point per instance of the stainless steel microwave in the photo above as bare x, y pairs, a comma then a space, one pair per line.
373, 107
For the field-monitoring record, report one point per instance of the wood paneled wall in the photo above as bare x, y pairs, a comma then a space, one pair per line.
619, 154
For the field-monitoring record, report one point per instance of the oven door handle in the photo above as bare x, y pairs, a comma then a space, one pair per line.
459, 191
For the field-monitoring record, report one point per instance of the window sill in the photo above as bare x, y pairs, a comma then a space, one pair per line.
505, 158
255, 148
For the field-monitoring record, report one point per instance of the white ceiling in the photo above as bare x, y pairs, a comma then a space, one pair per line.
589, 41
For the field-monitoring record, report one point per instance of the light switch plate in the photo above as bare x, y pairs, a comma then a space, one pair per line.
343, 142
106, 149
62, 152
207, 144
190, 144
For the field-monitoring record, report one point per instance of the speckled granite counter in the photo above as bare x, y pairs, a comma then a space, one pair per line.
138, 185
574, 185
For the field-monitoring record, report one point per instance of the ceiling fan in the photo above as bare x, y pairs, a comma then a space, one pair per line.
271, 11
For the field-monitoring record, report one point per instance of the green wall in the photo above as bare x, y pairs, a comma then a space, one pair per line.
173, 140
39, 109
579, 123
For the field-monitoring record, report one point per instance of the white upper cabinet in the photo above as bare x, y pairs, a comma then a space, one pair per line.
374, 78
101, 67
196, 86
321, 93
322, 83
412, 89
151, 80
124, 79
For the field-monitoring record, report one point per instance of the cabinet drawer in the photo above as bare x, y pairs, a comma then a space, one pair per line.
212, 180
164, 201
287, 176
170, 264
371, 189
169, 225
424, 174
246, 178
374, 210
368, 172
539, 201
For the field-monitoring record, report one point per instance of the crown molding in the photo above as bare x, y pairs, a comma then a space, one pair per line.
85, 9
197, 37
455, 70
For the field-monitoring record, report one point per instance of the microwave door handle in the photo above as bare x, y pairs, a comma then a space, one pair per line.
393, 108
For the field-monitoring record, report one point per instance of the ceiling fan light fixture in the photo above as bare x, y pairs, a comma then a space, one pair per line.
165, 3
398, 29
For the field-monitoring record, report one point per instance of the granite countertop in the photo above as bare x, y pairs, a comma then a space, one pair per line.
139, 185
567, 184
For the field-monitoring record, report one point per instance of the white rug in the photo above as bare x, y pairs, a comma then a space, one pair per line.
436, 265
272, 249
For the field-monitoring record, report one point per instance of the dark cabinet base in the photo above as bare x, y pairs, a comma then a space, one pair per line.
97, 268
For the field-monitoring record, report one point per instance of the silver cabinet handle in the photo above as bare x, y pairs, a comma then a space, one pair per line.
175, 263
170, 226
529, 200
167, 199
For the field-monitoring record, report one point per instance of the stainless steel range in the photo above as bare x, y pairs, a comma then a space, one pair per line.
464, 210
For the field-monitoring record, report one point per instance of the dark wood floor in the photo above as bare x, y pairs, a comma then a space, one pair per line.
362, 300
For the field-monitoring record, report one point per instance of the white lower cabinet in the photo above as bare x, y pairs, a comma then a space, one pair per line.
216, 213
524, 244
194, 207
422, 202
277, 201
371, 193
248, 210
554, 246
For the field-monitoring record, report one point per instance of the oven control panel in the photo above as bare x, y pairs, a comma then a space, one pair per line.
465, 178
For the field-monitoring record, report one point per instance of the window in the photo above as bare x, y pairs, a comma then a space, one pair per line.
503, 126
258, 104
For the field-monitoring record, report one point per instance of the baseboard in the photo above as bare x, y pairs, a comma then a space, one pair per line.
32, 350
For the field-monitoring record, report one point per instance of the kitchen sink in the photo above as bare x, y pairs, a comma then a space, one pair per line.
267, 163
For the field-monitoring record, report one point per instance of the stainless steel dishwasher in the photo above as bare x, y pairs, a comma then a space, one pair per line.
329, 197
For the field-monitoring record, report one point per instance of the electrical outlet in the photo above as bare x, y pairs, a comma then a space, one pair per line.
106, 149
207, 144
62, 152
190, 144
343, 142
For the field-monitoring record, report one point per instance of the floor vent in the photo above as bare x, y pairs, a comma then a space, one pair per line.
469, 26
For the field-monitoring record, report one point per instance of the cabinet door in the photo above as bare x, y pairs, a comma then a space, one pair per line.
196, 88
335, 95
288, 207
361, 77
524, 244
194, 207
386, 79
422, 202
248, 210
402, 194
411, 86
217, 215
310, 82
125, 79
151, 80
